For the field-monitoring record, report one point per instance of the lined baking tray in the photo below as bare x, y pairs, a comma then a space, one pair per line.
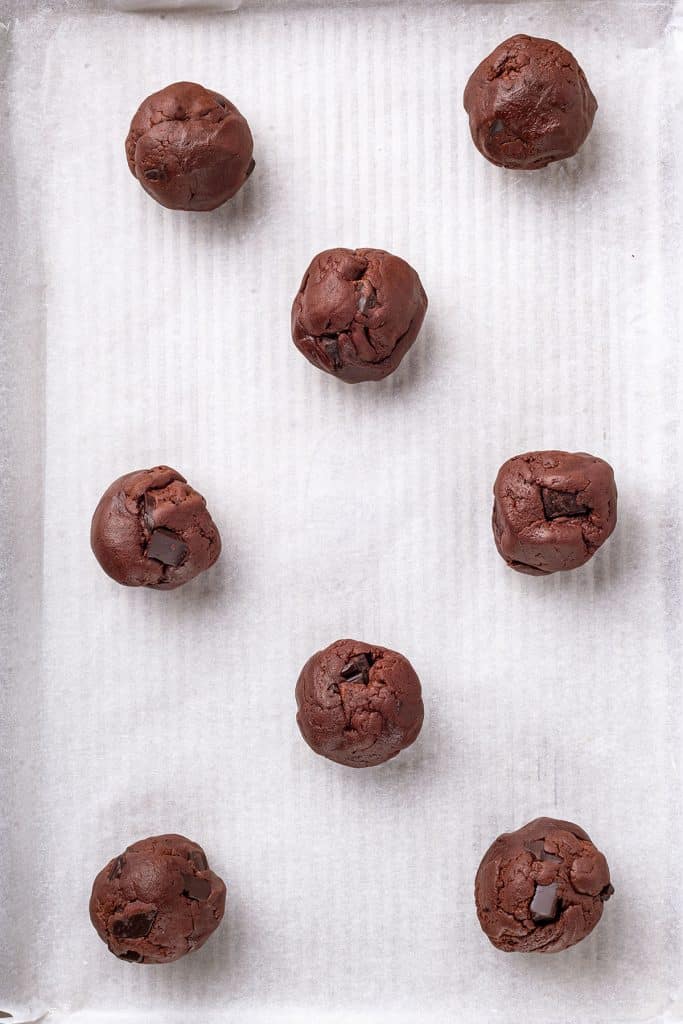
132, 335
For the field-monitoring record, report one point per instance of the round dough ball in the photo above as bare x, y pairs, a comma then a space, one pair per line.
151, 529
552, 510
529, 104
189, 148
157, 901
357, 313
359, 705
542, 888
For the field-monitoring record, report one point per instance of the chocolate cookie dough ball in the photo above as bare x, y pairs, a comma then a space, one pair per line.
359, 705
542, 888
157, 901
151, 529
529, 104
357, 313
552, 510
189, 148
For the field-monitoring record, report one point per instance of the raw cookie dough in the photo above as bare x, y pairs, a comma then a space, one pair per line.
552, 510
151, 529
529, 104
359, 705
357, 313
157, 901
542, 888
189, 148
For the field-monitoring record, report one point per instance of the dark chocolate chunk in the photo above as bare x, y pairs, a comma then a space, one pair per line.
606, 893
196, 888
136, 926
166, 547
537, 847
117, 868
148, 506
198, 858
358, 669
330, 346
545, 904
561, 503
131, 956
367, 298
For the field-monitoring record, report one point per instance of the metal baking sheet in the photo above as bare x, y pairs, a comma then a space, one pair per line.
132, 335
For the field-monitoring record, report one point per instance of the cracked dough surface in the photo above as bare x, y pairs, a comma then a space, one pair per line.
552, 510
529, 104
151, 529
358, 704
542, 888
357, 313
157, 901
189, 147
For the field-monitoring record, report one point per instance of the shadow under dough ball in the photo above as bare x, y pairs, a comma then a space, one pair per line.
552, 510
189, 148
529, 104
358, 704
151, 529
542, 888
357, 313
157, 901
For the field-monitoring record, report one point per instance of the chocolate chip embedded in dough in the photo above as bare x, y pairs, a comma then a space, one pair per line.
165, 547
544, 905
196, 888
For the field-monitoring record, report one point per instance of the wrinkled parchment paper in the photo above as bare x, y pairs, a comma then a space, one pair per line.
133, 335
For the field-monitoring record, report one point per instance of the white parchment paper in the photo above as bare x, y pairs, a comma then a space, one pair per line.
133, 335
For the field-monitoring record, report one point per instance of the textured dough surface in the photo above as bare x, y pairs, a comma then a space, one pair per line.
189, 147
358, 704
529, 104
157, 901
357, 313
542, 888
